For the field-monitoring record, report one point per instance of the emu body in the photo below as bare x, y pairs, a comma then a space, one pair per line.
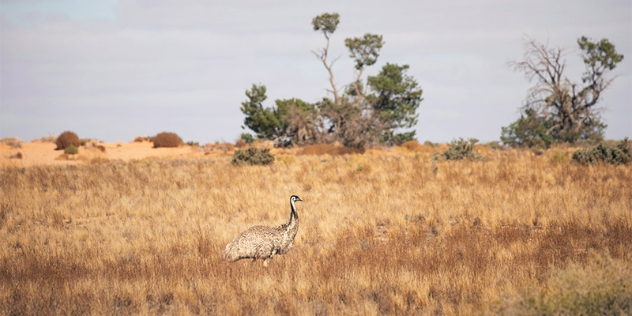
263, 242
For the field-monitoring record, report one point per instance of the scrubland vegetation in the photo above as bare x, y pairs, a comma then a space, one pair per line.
67, 139
380, 233
166, 139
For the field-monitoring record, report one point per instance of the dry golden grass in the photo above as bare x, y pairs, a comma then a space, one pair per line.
325, 149
413, 145
380, 233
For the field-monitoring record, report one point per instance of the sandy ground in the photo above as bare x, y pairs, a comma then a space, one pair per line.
38, 153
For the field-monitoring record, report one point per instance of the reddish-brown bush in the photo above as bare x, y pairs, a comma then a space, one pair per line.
166, 139
66, 139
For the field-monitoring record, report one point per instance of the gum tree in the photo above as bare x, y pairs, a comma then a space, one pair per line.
354, 117
570, 106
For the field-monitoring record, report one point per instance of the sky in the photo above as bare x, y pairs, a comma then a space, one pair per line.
117, 69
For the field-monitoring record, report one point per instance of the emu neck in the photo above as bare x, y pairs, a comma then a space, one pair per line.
293, 224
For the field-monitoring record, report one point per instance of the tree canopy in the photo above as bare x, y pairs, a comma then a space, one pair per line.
326, 23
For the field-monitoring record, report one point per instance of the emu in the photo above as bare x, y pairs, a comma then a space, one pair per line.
263, 242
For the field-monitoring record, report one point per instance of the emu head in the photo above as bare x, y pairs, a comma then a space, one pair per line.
295, 198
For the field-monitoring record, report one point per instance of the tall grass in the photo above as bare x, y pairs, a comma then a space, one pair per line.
380, 234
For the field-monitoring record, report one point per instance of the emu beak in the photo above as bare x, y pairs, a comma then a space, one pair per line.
299, 199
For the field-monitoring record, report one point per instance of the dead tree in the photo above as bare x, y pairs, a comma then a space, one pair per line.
570, 105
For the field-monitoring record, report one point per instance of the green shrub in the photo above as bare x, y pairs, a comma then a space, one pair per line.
66, 139
166, 139
71, 150
620, 153
193, 144
459, 149
602, 287
253, 156
247, 138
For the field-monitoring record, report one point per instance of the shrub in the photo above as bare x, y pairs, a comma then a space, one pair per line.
140, 139
166, 139
620, 153
193, 144
253, 156
459, 149
71, 150
66, 139
14, 142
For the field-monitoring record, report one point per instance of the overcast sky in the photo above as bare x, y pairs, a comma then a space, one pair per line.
113, 70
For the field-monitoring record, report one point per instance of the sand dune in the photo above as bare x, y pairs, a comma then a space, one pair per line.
38, 153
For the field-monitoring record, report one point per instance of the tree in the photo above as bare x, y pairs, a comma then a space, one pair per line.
350, 125
300, 122
569, 106
347, 118
364, 51
290, 121
528, 131
352, 118
396, 98
266, 122
327, 23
